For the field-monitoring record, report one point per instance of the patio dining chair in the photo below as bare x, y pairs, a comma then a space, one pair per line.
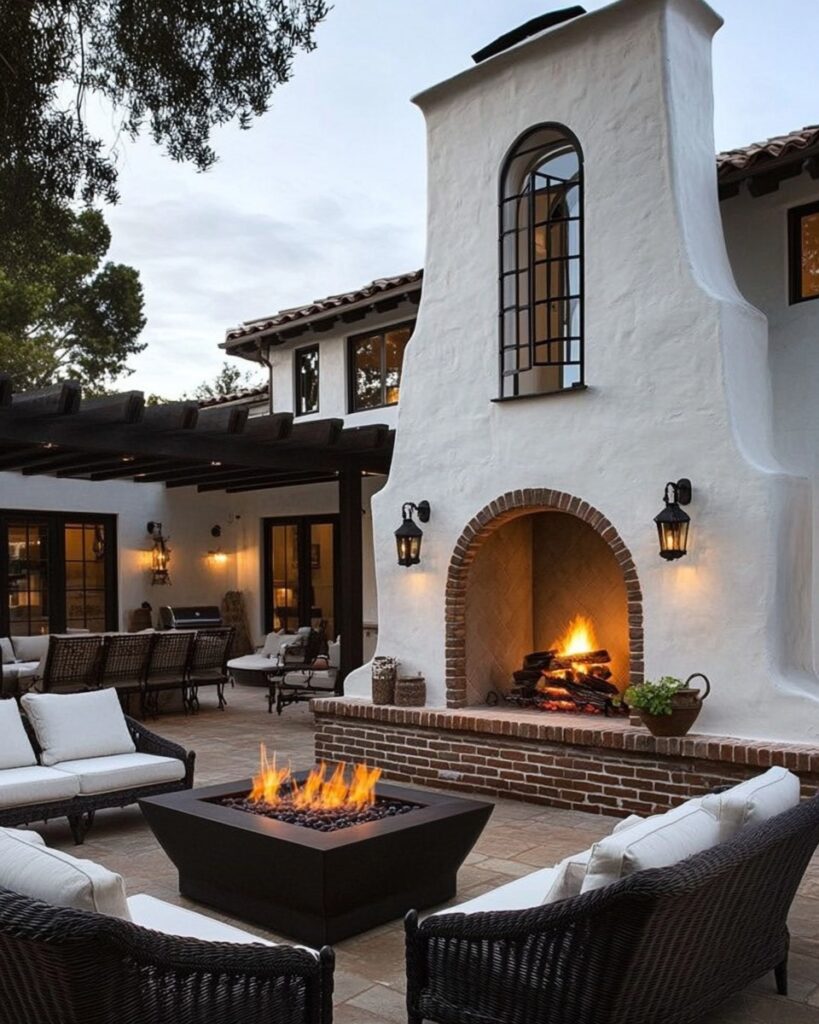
168, 667
72, 664
124, 666
208, 665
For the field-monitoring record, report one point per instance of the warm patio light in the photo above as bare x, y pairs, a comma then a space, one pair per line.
160, 555
672, 522
408, 535
216, 556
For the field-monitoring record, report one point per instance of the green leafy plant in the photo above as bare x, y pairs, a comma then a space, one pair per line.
654, 698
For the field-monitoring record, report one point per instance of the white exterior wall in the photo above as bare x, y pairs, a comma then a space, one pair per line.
676, 363
756, 235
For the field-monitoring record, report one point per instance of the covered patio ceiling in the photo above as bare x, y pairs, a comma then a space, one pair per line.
59, 432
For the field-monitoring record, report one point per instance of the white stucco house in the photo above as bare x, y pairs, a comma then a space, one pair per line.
604, 309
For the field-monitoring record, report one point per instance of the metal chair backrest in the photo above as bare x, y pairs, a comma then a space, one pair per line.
170, 653
125, 659
210, 649
72, 662
304, 649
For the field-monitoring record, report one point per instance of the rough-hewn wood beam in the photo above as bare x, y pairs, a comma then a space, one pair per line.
221, 419
218, 483
59, 400
272, 485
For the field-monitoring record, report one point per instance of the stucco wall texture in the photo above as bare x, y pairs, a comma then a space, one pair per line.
676, 366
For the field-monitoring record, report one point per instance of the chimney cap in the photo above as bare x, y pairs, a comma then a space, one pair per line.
529, 28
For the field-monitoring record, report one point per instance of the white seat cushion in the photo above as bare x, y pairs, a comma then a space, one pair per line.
121, 771
16, 750
35, 785
655, 842
70, 726
25, 835
320, 679
754, 800
253, 663
150, 912
520, 894
60, 879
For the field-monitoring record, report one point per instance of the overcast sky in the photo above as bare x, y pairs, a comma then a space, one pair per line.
326, 191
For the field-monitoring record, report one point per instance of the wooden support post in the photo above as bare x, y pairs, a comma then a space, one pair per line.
351, 611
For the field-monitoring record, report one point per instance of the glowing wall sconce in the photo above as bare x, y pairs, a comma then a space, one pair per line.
672, 522
408, 536
216, 556
160, 554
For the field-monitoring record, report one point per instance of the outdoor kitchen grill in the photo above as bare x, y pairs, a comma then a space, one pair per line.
202, 616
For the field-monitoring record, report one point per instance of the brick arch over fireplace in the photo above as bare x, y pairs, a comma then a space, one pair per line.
490, 518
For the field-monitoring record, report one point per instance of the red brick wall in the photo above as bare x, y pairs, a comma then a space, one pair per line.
591, 768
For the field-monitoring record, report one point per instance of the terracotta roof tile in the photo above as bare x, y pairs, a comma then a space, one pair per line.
326, 305
748, 158
235, 396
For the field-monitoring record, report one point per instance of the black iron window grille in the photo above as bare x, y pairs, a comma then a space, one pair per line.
307, 380
803, 245
541, 264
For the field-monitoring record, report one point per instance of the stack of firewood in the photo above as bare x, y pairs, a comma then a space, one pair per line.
554, 681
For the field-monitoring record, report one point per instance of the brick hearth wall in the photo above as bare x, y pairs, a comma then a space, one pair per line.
603, 767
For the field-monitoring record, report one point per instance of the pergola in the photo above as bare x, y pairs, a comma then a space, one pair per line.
60, 433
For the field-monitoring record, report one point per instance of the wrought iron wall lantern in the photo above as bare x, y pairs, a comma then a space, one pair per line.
408, 535
216, 556
672, 522
160, 554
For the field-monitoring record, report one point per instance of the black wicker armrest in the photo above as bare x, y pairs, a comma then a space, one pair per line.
148, 742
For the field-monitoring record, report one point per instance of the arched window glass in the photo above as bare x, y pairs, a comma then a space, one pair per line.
541, 273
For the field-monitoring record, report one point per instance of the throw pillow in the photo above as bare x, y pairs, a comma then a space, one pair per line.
655, 842
754, 800
72, 726
15, 748
30, 648
58, 878
6, 650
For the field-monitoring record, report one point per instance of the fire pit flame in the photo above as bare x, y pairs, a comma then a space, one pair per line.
318, 792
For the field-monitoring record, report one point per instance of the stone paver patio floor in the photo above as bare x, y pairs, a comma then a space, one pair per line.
519, 838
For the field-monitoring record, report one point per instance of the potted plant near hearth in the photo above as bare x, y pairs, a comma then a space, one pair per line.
670, 706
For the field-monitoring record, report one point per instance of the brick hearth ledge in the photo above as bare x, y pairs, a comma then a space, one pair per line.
607, 766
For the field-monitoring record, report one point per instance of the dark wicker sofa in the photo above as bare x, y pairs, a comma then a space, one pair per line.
662, 946
61, 966
80, 810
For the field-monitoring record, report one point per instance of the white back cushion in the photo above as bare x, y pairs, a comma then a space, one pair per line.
6, 650
754, 800
656, 842
70, 726
25, 836
273, 642
15, 749
30, 648
58, 878
334, 653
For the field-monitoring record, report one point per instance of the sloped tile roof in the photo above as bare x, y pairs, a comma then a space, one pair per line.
326, 305
235, 396
757, 154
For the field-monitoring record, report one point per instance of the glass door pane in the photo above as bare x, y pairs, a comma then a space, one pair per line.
284, 570
322, 581
27, 578
85, 545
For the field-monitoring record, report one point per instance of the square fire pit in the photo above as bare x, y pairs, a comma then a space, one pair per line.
316, 887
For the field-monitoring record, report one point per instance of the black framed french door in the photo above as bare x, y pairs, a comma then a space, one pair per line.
300, 555
58, 571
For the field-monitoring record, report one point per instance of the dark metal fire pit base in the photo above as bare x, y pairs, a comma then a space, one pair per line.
315, 887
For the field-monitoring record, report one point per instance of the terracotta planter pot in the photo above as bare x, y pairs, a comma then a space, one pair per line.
686, 705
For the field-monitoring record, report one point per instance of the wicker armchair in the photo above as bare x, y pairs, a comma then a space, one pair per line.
59, 965
72, 664
80, 810
208, 664
168, 667
662, 945
124, 665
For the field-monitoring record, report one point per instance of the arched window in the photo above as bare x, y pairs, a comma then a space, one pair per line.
541, 272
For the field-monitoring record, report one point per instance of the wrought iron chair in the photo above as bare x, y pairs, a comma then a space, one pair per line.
208, 665
168, 667
303, 682
72, 664
124, 666
297, 655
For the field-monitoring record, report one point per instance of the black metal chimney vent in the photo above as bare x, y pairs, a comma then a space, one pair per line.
530, 28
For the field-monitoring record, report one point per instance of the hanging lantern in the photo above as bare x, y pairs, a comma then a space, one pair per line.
673, 522
160, 555
408, 536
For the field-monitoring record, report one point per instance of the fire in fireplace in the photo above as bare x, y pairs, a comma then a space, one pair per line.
573, 675
322, 802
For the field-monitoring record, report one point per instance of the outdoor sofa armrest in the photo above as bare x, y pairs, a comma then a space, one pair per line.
148, 742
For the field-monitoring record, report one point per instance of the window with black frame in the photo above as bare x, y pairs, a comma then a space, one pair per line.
541, 264
307, 380
803, 232
376, 364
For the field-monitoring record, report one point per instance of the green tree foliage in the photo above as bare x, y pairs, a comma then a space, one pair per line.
227, 381
63, 312
172, 68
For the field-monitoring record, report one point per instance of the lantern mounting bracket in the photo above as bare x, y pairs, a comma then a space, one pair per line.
680, 492
421, 509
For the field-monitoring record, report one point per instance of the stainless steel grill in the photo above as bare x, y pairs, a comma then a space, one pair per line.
202, 616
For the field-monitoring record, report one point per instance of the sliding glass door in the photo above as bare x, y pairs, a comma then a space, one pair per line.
300, 573
57, 572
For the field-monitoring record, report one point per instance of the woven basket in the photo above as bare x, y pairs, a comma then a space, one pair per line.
410, 692
384, 671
